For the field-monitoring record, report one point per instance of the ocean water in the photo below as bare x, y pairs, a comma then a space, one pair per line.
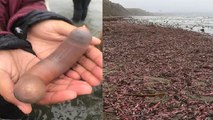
87, 107
202, 24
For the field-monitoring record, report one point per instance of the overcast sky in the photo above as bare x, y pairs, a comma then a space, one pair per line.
169, 5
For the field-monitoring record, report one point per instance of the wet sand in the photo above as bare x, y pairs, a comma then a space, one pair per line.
94, 17
155, 73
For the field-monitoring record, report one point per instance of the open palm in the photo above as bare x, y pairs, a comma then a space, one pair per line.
45, 37
12, 66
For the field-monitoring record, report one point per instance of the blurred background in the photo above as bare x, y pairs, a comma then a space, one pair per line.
94, 16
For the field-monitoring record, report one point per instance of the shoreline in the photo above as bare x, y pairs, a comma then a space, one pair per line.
132, 20
176, 22
154, 72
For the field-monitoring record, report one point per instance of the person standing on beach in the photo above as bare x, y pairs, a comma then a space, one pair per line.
80, 10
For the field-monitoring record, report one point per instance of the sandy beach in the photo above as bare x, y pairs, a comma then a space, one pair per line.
153, 72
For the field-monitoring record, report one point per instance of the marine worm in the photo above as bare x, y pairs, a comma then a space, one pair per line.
31, 86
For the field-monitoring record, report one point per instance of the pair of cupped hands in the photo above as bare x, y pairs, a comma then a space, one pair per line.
45, 37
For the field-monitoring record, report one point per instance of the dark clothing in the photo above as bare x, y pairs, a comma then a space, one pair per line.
20, 28
80, 10
16, 16
9, 111
10, 12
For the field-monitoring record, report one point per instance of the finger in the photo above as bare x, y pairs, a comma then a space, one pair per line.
86, 75
95, 41
64, 28
57, 97
95, 55
91, 66
80, 87
73, 74
63, 80
6, 91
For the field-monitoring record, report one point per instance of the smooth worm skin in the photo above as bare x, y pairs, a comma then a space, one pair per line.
30, 88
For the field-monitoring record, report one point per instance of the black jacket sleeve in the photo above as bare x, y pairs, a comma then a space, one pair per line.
17, 40
21, 26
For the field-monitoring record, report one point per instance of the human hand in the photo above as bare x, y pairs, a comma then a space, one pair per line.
12, 66
46, 36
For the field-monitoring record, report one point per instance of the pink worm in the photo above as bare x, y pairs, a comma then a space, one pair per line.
31, 87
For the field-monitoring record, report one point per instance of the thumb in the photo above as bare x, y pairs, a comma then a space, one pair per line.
63, 28
6, 91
